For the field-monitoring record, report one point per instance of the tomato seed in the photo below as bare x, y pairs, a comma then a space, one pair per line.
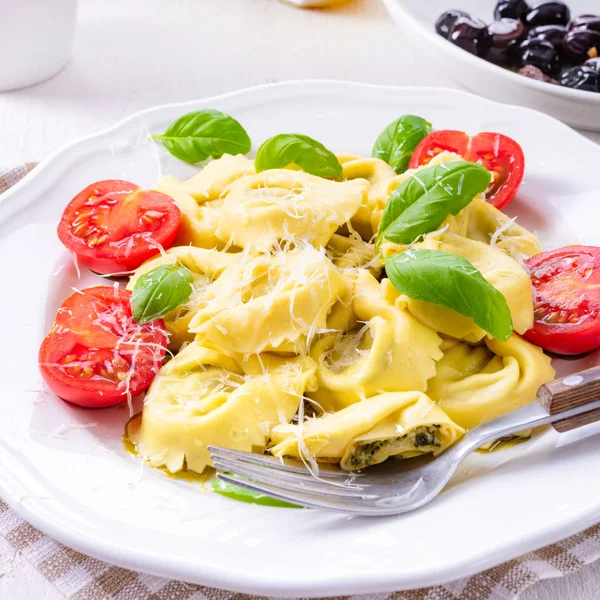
87, 372
97, 240
83, 229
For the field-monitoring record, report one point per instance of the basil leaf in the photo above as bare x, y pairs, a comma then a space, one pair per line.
422, 202
450, 280
203, 134
398, 140
160, 291
311, 156
237, 492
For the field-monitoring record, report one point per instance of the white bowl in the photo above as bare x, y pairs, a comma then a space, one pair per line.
417, 17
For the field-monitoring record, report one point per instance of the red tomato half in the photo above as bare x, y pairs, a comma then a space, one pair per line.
566, 291
113, 226
498, 153
96, 355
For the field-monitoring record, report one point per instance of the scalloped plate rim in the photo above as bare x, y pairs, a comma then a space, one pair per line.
37, 513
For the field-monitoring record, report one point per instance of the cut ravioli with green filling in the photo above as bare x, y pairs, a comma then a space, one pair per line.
394, 424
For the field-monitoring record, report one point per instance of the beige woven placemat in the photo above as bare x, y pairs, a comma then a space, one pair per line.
79, 577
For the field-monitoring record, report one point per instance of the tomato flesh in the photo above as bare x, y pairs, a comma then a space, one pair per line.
113, 226
498, 153
96, 355
566, 290
445, 140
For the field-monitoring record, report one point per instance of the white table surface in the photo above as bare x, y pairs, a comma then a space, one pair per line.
133, 54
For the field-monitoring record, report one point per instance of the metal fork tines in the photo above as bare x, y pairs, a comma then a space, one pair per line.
399, 486
331, 488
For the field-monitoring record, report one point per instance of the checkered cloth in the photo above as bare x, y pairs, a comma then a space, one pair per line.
80, 577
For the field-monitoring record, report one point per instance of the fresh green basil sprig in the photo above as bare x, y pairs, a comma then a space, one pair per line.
421, 203
237, 492
452, 281
159, 291
203, 134
311, 156
397, 142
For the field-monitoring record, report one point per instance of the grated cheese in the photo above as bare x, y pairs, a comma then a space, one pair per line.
279, 256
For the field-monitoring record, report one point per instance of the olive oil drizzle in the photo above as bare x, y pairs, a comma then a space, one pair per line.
184, 474
503, 444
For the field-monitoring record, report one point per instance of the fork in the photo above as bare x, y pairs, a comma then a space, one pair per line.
396, 487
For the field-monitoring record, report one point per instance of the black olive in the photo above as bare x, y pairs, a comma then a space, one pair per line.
548, 13
554, 34
506, 35
579, 42
581, 78
540, 54
471, 34
586, 22
510, 9
593, 63
446, 21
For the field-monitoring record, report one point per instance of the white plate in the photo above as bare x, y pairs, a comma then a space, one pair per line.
78, 484
417, 17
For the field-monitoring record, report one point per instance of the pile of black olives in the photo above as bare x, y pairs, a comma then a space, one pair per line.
541, 41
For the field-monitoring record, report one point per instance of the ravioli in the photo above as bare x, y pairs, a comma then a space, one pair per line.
198, 221
388, 350
205, 267
476, 384
211, 182
287, 308
351, 253
204, 396
342, 317
398, 424
350, 256
486, 223
262, 211
378, 173
199, 199
501, 271
271, 302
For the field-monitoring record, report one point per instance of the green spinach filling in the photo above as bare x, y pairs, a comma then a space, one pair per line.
425, 437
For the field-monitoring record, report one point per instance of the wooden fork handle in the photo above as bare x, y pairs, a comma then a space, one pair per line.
570, 392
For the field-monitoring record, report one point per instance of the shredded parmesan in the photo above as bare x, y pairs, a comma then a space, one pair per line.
346, 349
65, 428
498, 234
76, 264
297, 258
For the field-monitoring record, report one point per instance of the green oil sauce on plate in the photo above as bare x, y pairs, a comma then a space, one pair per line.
229, 490
184, 474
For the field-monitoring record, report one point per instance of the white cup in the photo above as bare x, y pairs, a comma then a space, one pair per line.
35, 40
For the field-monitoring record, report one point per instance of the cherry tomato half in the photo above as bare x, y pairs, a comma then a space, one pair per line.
96, 355
113, 226
566, 291
498, 153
